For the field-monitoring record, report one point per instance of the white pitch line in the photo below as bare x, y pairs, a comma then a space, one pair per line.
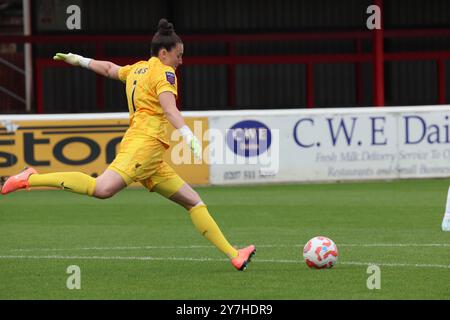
381, 264
397, 245
362, 245
146, 258
109, 248
386, 264
55, 257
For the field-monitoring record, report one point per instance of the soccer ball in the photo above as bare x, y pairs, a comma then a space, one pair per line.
320, 253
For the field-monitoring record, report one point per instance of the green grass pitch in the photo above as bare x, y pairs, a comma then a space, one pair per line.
138, 245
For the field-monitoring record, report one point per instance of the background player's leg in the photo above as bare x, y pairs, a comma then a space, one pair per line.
446, 220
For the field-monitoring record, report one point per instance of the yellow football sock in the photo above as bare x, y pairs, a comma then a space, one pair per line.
71, 181
210, 230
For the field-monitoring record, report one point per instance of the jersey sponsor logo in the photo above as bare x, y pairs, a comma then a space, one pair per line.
249, 138
170, 77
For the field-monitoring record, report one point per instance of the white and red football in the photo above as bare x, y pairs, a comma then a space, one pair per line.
320, 253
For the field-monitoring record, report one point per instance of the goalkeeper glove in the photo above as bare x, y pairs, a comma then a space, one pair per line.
192, 141
73, 59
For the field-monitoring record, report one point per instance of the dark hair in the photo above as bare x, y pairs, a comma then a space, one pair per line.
164, 38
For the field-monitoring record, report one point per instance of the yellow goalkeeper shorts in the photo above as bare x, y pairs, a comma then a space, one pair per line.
140, 159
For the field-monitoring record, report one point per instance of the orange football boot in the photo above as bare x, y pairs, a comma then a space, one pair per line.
243, 258
19, 181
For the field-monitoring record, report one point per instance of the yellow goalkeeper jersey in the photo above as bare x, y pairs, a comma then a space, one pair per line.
145, 81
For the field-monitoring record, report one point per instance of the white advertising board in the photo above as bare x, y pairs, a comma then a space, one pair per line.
330, 144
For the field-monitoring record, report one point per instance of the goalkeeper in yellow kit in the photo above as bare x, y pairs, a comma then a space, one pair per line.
151, 88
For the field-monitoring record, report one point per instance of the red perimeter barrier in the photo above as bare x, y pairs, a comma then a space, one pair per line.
377, 57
